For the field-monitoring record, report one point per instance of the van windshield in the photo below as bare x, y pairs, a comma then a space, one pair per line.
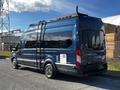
93, 39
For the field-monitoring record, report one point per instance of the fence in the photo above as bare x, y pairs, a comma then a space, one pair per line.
7, 41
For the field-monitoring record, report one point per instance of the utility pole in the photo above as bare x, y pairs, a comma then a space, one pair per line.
4, 16
4, 21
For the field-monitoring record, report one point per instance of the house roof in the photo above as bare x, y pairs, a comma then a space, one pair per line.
115, 20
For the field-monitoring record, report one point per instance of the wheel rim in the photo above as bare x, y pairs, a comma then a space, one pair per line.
14, 62
49, 71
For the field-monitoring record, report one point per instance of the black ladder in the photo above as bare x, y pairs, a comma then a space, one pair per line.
40, 40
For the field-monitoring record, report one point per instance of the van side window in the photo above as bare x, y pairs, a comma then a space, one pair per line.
30, 40
62, 39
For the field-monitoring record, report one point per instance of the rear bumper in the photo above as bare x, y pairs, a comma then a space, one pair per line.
85, 70
91, 69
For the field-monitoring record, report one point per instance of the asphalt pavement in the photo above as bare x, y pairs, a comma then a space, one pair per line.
31, 79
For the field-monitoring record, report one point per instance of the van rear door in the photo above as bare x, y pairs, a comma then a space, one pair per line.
93, 48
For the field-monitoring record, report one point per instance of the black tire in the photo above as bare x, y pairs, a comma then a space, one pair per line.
15, 64
50, 71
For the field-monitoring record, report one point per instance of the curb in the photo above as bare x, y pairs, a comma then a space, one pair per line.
2, 57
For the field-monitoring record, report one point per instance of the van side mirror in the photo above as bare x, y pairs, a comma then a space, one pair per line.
14, 49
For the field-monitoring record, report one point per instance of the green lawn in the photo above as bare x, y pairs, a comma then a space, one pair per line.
114, 65
5, 53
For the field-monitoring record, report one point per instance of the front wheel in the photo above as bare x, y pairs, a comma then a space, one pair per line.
50, 71
15, 64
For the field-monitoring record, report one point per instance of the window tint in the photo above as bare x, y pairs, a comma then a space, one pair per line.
58, 39
30, 44
93, 39
30, 36
51, 40
30, 39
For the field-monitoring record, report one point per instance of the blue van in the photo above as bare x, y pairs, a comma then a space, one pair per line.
73, 44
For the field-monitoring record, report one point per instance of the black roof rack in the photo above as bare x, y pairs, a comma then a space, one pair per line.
62, 17
67, 17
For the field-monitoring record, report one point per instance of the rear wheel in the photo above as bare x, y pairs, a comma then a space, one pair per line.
50, 71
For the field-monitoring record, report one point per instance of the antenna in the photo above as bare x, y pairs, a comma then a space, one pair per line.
77, 10
78, 13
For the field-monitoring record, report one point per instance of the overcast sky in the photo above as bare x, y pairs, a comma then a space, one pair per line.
25, 12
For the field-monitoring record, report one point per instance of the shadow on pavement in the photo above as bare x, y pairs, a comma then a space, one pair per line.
31, 69
113, 74
105, 81
96, 81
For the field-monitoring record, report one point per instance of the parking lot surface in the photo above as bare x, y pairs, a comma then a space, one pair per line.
31, 79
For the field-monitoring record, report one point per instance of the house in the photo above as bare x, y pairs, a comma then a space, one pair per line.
112, 30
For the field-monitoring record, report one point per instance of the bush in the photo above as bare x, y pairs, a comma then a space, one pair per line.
114, 65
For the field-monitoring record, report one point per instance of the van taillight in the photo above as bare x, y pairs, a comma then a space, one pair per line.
78, 57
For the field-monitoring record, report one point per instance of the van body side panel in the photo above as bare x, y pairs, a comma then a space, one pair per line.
27, 54
27, 57
59, 29
63, 56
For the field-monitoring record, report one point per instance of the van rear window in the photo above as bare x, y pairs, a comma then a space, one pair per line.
93, 39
